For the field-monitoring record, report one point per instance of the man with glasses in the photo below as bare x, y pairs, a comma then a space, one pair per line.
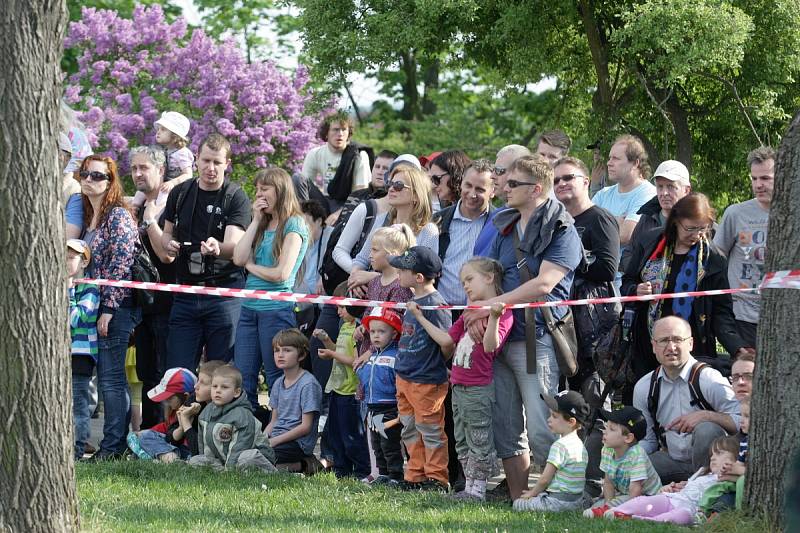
679, 429
742, 373
539, 249
742, 237
506, 156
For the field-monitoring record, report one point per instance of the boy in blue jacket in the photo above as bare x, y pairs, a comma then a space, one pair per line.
380, 393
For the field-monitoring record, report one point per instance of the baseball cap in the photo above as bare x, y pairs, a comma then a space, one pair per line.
383, 314
570, 403
630, 417
673, 171
402, 159
81, 247
175, 122
428, 159
420, 260
175, 381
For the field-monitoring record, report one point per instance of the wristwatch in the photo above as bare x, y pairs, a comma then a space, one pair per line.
146, 223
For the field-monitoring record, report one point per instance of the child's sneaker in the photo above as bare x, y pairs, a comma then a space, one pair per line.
380, 480
611, 514
465, 496
595, 512
434, 485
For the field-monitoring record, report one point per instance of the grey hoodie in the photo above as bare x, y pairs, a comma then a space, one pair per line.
227, 431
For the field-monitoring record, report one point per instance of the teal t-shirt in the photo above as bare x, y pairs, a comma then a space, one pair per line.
263, 257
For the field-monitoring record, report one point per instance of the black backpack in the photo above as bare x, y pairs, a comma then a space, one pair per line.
695, 393
143, 269
331, 273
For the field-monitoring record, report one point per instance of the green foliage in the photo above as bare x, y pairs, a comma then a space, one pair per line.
238, 18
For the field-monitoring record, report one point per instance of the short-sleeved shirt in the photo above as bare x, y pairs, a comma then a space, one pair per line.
303, 396
625, 204
263, 257
343, 379
73, 211
634, 465
321, 164
472, 366
178, 161
570, 458
419, 358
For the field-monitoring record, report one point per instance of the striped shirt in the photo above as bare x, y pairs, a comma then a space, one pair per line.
463, 235
84, 302
569, 457
634, 465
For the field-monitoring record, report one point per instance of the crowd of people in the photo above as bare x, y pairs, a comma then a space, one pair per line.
426, 398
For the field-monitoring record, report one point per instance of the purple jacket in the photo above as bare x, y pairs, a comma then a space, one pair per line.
113, 250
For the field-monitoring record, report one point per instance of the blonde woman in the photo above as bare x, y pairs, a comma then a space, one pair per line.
272, 251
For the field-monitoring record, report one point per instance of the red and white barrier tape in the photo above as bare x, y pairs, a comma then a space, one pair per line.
787, 279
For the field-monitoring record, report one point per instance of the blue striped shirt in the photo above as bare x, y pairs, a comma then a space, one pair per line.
84, 303
463, 235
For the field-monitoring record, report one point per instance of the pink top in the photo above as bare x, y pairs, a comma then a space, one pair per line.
472, 366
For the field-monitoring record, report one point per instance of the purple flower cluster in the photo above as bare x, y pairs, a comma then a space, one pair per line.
132, 70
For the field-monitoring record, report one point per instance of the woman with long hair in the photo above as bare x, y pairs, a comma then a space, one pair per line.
681, 258
110, 231
272, 251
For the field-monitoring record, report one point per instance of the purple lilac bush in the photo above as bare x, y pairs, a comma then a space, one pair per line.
132, 70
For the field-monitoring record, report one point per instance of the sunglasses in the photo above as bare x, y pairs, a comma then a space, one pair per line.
694, 229
566, 178
499, 171
94, 175
437, 178
513, 184
398, 185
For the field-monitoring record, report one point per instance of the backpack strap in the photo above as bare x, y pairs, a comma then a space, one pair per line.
695, 391
369, 221
652, 404
443, 218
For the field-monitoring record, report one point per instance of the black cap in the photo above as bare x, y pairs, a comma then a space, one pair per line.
629, 417
420, 260
569, 403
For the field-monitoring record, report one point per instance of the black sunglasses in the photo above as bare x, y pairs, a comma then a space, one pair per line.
398, 185
437, 178
566, 178
513, 184
94, 175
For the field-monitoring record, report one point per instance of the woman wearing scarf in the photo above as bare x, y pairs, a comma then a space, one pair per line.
681, 258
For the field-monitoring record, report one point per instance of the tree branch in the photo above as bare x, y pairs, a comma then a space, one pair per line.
735, 92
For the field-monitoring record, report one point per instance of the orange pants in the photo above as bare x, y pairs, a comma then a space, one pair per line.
421, 409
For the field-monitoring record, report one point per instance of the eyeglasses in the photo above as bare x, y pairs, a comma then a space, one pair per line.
398, 185
747, 378
663, 342
513, 184
499, 171
694, 229
437, 178
94, 175
566, 178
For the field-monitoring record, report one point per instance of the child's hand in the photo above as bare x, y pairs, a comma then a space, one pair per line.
191, 410
359, 361
321, 334
528, 494
325, 353
167, 186
414, 309
358, 334
497, 309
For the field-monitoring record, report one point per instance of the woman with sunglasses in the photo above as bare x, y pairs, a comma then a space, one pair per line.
681, 258
446, 173
111, 233
409, 199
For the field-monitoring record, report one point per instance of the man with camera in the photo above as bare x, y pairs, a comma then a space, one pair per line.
204, 219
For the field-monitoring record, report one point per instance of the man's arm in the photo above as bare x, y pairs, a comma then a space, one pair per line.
626, 228
532, 290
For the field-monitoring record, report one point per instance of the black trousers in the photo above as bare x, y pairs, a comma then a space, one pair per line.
388, 450
151, 354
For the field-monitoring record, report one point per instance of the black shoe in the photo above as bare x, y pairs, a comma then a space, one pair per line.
500, 493
409, 485
434, 485
103, 455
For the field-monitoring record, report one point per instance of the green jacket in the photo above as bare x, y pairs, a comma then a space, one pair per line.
227, 431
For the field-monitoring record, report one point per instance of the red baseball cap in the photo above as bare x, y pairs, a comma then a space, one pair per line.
389, 316
425, 160
175, 381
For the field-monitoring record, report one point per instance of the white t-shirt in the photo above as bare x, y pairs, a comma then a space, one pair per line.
321, 164
625, 204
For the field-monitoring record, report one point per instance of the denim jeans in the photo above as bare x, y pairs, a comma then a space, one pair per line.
253, 349
80, 411
156, 444
112, 379
151, 353
347, 437
198, 320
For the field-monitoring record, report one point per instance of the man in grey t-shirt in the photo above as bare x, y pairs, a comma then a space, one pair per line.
742, 236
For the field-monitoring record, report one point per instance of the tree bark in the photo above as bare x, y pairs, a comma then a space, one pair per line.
775, 420
37, 482
431, 85
408, 63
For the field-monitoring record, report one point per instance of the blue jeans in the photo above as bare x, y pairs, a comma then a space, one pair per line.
156, 444
80, 411
253, 349
198, 320
347, 437
112, 379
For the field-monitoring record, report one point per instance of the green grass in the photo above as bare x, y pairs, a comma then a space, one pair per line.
130, 496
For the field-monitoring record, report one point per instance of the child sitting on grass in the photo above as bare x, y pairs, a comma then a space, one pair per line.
346, 437
230, 436
422, 374
296, 400
165, 441
679, 503
377, 378
188, 413
560, 487
471, 375
628, 470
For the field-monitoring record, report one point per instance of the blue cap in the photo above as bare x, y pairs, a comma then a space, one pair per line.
420, 260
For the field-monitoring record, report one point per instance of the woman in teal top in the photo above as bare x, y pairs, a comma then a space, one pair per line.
272, 250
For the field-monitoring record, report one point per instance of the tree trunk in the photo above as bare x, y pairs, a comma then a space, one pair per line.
775, 420
37, 482
408, 63
431, 85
